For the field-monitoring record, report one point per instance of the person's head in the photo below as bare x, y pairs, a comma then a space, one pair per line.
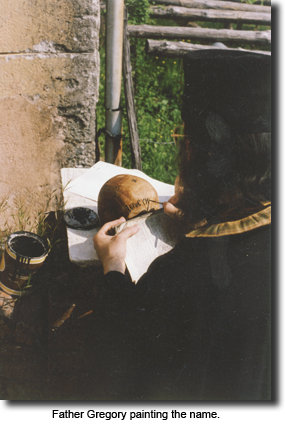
225, 156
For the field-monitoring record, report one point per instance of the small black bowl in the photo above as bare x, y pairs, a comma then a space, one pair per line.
81, 218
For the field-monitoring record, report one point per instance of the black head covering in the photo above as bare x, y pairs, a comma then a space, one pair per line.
231, 84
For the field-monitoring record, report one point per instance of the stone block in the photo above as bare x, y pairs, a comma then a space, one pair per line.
49, 67
49, 26
47, 110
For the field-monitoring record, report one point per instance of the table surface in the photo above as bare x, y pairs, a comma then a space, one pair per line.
80, 242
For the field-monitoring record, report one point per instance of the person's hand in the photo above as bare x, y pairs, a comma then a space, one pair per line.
111, 250
170, 207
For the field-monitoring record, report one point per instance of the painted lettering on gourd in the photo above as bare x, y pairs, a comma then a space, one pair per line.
138, 203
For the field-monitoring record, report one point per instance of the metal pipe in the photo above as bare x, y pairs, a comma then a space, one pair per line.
114, 52
114, 56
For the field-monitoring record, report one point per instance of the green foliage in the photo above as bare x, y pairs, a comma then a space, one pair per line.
158, 90
138, 11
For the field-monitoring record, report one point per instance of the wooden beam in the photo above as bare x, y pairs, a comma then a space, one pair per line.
200, 34
257, 2
215, 4
185, 2
180, 50
210, 15
130, 100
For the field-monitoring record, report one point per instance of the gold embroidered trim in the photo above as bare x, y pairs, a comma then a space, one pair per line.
240, 226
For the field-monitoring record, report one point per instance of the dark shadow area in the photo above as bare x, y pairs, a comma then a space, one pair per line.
47, 348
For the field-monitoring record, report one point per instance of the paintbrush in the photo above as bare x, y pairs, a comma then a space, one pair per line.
157, 202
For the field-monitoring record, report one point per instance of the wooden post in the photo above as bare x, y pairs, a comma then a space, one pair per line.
130, 101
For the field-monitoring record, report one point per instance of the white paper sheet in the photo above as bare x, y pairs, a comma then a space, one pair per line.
88, 185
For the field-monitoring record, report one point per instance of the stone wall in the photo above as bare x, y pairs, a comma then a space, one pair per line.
49, 67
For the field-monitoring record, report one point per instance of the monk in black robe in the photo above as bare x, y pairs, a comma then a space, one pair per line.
197, 324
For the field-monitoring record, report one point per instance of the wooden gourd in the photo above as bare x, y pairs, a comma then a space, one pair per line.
126, 195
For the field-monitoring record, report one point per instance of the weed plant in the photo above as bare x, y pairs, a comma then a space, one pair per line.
15, 216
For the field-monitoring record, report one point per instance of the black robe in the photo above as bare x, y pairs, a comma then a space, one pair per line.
196, 326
